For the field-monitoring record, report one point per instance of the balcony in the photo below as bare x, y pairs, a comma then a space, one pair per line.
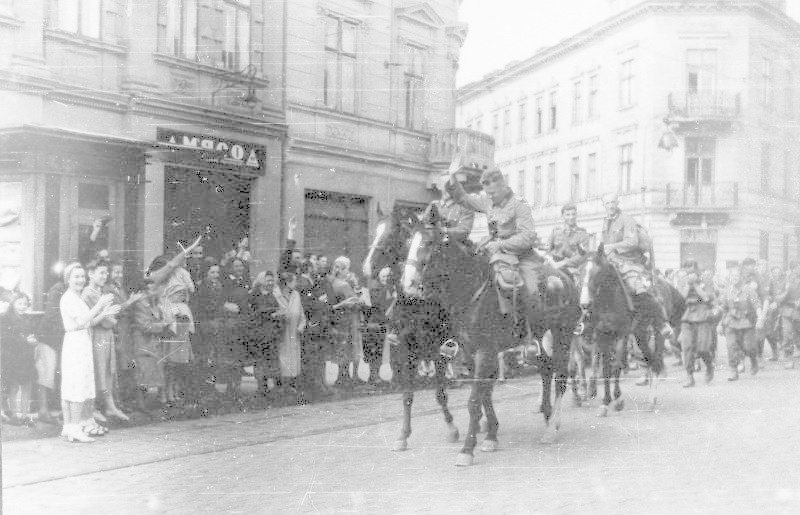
477, 148
701, 197
697, 110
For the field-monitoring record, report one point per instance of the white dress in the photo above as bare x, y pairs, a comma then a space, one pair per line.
77, 362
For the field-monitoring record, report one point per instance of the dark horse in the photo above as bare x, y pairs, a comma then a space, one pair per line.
459, 280
421, 324
614, 316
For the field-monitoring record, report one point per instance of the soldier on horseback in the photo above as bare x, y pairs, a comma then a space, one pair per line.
622, 242
568, 243
511, 227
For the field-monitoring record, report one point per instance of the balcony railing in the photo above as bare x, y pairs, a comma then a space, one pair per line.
715, 196
477, 147
704, 106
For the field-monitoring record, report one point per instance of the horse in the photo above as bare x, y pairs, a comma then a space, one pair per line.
461, 281
421, 324
614, 316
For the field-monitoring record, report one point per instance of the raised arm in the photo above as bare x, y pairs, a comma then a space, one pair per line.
159, 276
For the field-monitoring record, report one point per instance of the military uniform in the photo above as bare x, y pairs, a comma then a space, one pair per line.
621, 231
789, 308
511, 221
458, 220
697, 327
567, 243
740, 302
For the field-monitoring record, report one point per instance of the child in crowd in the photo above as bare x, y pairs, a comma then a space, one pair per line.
18, 360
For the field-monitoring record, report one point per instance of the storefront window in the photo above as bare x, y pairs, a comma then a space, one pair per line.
10, 234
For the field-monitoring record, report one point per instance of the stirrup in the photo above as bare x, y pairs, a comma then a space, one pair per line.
449, 348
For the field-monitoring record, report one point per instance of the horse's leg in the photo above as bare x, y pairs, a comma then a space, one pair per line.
407, 371
621, 350
654, 360
441, 398
546, 372
560, 358
465, 457
605, 360
656, 366
490, 442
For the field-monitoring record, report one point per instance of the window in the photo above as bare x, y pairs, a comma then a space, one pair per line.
626, 93
575, 178
577, 105
591, 104
496, 127
521, 183
523, 121
765, 167
766, 79
506, 126
625, 167
177, 28
537, 186
79, 17
551, 184
763, 245
591, 174
236, 42
93, 196
339, 84
700, 156
413, 80
701, 71
539, 116
553, 111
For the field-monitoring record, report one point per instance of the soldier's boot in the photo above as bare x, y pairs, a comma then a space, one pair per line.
689, 380
734, 376
753, 364
709, 372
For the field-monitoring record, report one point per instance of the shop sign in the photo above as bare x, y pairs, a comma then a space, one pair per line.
222, 151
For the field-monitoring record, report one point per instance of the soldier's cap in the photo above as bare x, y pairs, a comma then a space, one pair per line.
748, 261
490, 174
610, 196
568, 206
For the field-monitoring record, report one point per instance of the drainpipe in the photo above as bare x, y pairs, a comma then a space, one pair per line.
285, 139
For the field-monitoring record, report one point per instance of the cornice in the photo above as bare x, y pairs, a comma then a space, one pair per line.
193, 66
311, 147
83, 42
588, 36
358, 120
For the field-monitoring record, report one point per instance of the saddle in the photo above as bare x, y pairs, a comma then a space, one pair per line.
507, 280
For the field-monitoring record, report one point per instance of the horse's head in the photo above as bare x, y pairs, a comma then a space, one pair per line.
390, 243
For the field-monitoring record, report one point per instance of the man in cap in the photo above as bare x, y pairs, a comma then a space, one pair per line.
568, 242
623, 247
510, 224
457, 219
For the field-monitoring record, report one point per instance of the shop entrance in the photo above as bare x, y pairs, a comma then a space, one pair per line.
202, 201
337, 225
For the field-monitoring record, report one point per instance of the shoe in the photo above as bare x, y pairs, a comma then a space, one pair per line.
734, 374
643, 381
94, 430
116, 413
99, 416
709, 374
74, 434
753, 366
689, 382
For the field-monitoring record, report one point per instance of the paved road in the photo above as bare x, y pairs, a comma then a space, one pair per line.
715, 449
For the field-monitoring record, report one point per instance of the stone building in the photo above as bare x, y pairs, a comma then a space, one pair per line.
176, 117
688, 108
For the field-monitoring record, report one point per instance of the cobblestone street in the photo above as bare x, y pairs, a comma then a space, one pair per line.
718, 448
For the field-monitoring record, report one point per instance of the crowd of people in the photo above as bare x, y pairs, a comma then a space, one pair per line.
187, 333
750, 303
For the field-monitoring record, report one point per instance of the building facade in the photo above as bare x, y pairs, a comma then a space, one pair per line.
223, 117
688, 109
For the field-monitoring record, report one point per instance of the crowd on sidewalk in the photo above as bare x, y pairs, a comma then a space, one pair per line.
186, 333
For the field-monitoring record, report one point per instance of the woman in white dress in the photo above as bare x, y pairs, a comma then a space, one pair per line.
77, 365
291, 310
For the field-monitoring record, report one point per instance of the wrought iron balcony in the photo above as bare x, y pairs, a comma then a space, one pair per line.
702, 197
703, 106
476, 147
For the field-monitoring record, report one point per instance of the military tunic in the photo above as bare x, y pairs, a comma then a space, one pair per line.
565, 244
458, 220
740, 303
621, 234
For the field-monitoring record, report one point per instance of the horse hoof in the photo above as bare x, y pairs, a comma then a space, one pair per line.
619, 405
453, 436
489, 446
603, 411
549, 436
484, 426
400, 445
463, 459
